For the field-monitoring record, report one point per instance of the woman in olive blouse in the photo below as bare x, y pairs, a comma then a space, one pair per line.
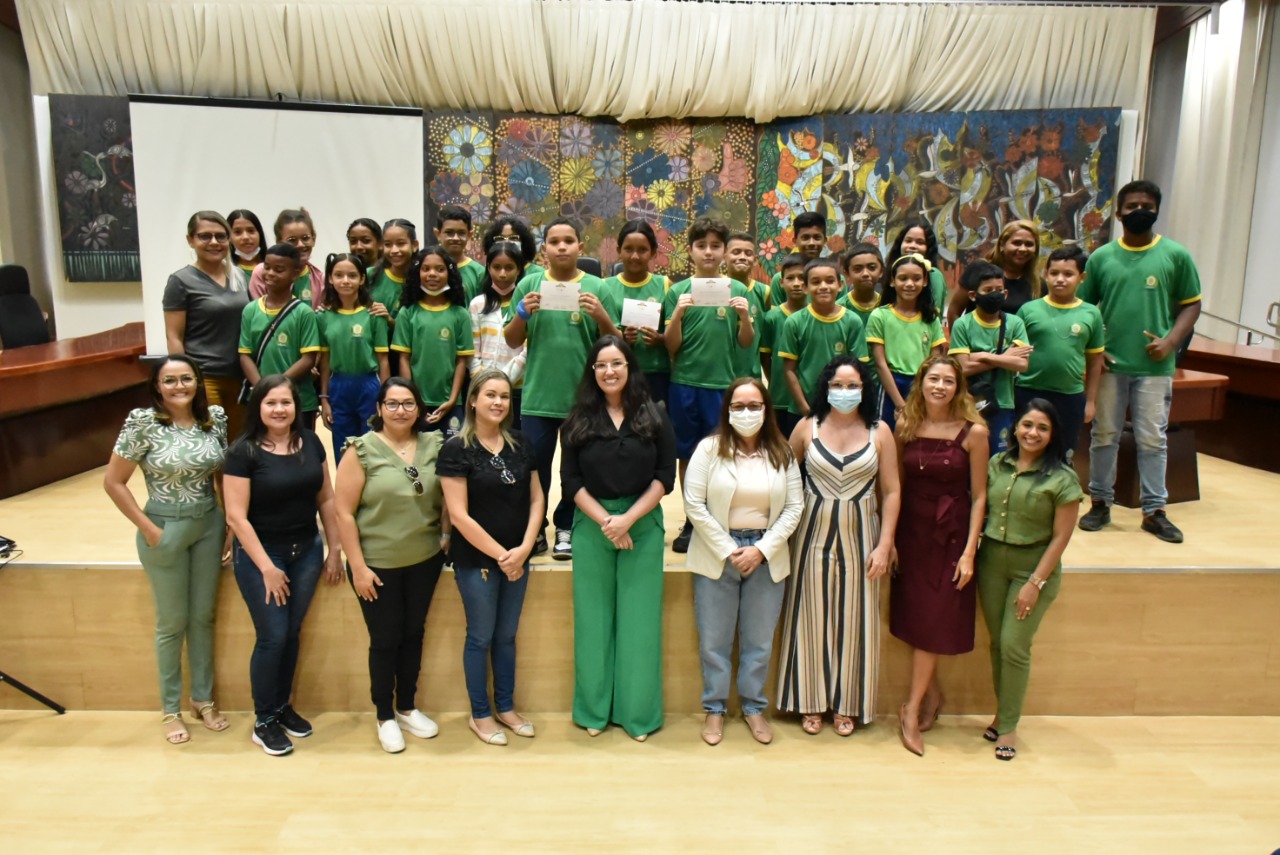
1033, 496
394, 532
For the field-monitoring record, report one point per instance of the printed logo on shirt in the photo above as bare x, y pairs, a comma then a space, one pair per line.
357, 330
1076, 329
575, 318
839, 347
651, 299
306, 294
721, 312
444, 333
1152, 282
282, 339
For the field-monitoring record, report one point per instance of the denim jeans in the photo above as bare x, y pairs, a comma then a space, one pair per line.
275, 653
352, 400
1149, 399
543, 433
493, 615
752, 607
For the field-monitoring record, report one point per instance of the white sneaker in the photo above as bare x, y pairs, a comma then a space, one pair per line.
417, 724
390, 736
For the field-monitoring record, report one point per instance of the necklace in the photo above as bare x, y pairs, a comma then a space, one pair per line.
486, 447
933, 453
404, 448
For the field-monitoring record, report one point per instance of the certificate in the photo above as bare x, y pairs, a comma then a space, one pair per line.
710, 292
559, 296
641, 313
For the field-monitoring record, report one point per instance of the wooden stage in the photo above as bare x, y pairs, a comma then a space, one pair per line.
1142, 627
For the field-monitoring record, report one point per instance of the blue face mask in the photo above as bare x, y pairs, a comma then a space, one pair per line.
844, 400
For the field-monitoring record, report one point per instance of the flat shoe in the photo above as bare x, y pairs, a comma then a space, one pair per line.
417, 724
641, 738
495, 738
390, 737
524, 728
759, 727
844, 725
713, 728
811, 724
593, 732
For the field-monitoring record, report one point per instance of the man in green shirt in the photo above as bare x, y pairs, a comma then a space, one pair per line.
1148, 291
453, 231
739, 262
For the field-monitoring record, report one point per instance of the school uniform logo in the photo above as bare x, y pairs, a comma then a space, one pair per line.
575, 318
357, 330
721, 313
1076, 330
283, 339
444, 333
1152, 282
839, 347
306, 294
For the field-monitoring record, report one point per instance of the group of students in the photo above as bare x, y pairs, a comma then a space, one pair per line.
630, 406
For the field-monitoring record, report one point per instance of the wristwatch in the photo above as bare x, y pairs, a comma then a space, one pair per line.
1039, 583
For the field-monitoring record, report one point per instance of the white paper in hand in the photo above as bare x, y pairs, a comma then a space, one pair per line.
710, 292
559, 296
641, 313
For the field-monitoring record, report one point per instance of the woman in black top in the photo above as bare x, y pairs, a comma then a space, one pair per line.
495, 502
275, 479
617, 461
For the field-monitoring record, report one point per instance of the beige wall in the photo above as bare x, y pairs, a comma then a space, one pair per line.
19, 193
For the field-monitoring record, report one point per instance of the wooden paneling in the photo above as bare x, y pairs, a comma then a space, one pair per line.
1116, 643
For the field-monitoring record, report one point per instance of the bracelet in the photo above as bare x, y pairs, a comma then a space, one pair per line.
1039, 583
323, 397
522, 311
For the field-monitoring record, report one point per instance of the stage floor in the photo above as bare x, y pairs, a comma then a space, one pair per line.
73, 522
105, 782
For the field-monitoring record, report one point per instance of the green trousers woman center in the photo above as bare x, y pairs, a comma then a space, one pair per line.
1002, 571
617, 624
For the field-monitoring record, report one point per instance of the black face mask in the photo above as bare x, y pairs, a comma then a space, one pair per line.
990, 302
1139, 221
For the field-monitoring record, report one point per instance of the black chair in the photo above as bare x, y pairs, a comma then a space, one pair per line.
21, 322
616, 269
590, 265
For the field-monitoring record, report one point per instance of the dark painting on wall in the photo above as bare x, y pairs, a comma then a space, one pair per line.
97, 207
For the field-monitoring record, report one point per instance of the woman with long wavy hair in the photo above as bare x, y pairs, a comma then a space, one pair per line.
1017, 253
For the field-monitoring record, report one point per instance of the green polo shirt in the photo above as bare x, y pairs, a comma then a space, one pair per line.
298, 334
472, 273
812, 341
1021, 505
1063, 336
770, 342
708, 356
386, 288
971, 334
1138, 291
434, 337
353, 339
907, 341
864, 314
749, 357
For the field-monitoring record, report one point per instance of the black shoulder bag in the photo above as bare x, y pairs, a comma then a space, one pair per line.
983, 386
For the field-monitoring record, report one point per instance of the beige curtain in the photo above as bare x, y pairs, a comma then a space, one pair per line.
628, 59
1220, 131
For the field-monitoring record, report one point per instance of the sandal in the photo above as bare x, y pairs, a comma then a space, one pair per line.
524, 728
208, 713
991, 734
811, 724
175, 732
844, 724
1006, 752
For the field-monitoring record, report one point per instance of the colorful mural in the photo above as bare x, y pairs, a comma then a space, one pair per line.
97, 205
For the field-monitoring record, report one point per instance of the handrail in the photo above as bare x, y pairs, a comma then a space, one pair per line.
1238, 326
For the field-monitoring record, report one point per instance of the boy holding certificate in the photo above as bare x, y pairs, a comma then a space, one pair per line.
559, 312
709, 322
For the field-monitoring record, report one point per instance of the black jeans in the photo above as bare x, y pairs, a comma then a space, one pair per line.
397, 622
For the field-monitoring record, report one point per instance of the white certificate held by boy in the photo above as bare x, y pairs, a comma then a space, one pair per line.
710, 292
641, 313
559, 296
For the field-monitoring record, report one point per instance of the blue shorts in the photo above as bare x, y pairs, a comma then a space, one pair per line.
695, 413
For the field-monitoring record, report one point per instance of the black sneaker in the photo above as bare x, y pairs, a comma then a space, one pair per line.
1098, 516
293, 724
540, 545
681, 543
1158, 524
563, 550
270, 736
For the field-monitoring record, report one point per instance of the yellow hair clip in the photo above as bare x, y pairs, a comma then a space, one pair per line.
917, 258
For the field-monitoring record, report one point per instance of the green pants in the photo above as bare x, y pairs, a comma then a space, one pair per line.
1002, 571
617, 624
183, 568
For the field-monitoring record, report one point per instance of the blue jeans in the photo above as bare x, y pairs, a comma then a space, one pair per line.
275, 653
1149, 399
493, 615
888, 410
1000, 431
542, 433
352, 400
751, 606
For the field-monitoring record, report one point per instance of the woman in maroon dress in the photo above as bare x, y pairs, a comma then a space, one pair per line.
942, 443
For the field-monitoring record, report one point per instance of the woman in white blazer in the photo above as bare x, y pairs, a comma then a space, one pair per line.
743, 495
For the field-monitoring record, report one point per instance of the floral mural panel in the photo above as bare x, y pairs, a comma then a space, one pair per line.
461, 150
793, 166
527, 168
591, 183
97, 202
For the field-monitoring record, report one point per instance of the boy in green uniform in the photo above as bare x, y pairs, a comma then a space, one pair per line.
453, 230
810, 231
991, 345
864, 274
294, 343
1148, 291
637, 242
811, 338
558, 346
739, 261
792, 272
1068, 340
703, 342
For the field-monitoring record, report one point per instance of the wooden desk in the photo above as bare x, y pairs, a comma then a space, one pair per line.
1252, 402
62, 404
1253, 370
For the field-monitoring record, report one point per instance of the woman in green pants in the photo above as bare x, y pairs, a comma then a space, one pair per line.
179, 442
618, 459
1033, 497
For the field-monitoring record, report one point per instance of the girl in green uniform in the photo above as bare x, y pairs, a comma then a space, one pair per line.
637, 242
364, 238
353, 351
248, 240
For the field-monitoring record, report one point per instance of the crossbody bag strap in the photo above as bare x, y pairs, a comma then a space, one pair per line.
271, 330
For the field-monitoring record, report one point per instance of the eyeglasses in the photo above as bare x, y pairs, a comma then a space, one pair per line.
412, 472
503, 472
212, 237
394, 406
753, 407
305, 240
616, 365
181, 380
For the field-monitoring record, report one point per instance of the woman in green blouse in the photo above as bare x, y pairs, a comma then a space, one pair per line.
1033, 496
179, 442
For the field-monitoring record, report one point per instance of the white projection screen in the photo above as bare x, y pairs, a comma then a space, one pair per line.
338, 161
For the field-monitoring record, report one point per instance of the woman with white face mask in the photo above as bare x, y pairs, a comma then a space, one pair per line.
743, 496
843, 547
